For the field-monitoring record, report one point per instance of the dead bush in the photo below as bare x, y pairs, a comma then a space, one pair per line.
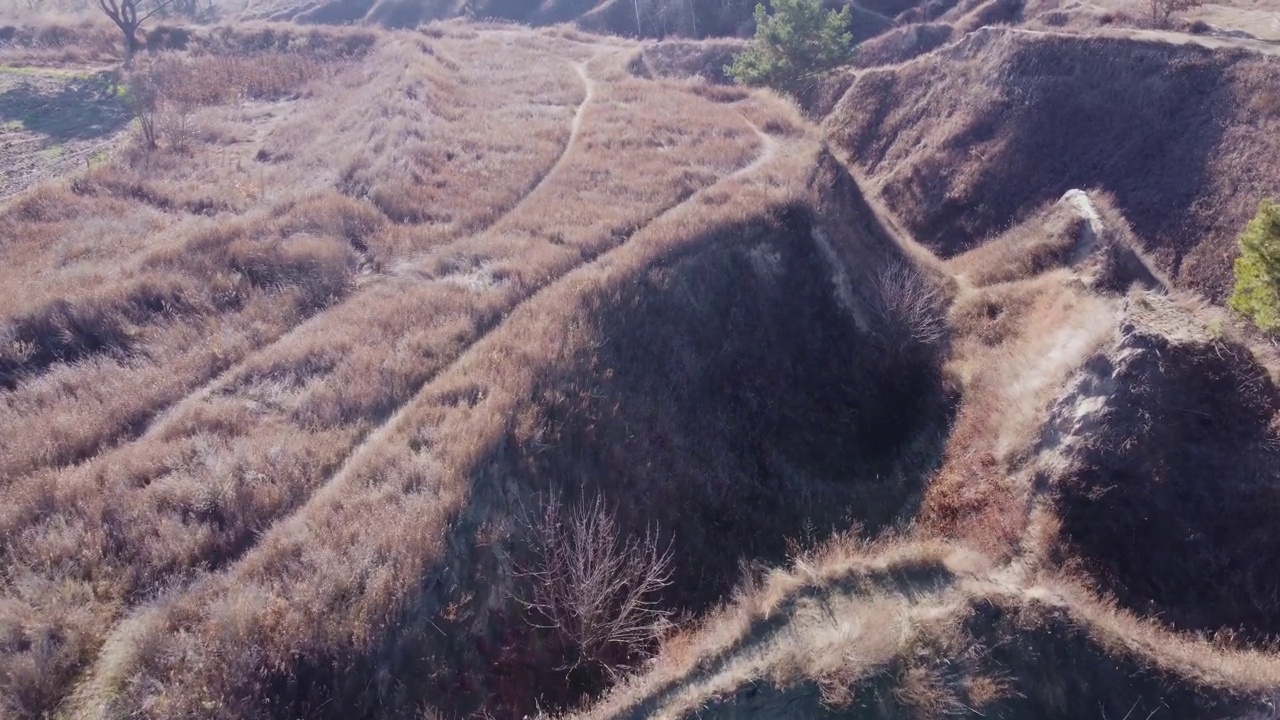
911, 304
166, 89
596, 591
1162, 10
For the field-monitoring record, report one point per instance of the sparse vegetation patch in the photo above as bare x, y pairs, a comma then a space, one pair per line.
794, 43
1257, 270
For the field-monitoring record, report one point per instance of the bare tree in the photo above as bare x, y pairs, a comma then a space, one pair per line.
593, 588
1162, 10
129, 16
163, 95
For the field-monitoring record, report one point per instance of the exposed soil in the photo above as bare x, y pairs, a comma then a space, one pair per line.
53, 121
1167, 484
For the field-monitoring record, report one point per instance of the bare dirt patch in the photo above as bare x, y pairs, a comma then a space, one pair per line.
53, 121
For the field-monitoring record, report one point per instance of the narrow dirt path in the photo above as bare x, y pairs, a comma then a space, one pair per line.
94, 672
1092, 230
387, 428
411, 264
162, 418
886, 218
575, 127
768, 149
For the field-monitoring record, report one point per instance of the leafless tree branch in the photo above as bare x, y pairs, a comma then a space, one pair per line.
597, 590
124, 14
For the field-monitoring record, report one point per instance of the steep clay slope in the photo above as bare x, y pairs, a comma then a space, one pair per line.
1163, 457
964, 141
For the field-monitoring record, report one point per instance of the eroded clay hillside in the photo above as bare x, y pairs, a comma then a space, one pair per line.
272, 412
481, 370
964, 141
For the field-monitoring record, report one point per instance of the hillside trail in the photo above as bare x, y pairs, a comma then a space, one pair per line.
413, 263
1093, 229
1170, 37
163, 418
887, 219
382, 432
768, 150
575, 127
1213, 42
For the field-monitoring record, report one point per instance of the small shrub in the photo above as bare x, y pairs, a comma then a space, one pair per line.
594, 590
912, 304
1163, 10
1257, 270
165, 90
142, 94
799, 40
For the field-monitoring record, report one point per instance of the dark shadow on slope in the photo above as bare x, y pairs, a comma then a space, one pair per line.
1173, 503
1055, 670
969, 140
730, 384
722, 394
729, 401
82, 109
63, 331
1142, 128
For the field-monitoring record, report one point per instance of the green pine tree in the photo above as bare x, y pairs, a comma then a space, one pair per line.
1257, 291
798, 40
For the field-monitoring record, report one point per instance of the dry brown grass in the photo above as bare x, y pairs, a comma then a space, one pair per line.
1015, 346
914, 630
538, 297
1027, 250
1110, 434
684, 58
274, 391
107, 335
37, 41
1034, 303
413, 520
145, 205
201, 484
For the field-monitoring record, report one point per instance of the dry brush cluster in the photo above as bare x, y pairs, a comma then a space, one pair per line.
598, 590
